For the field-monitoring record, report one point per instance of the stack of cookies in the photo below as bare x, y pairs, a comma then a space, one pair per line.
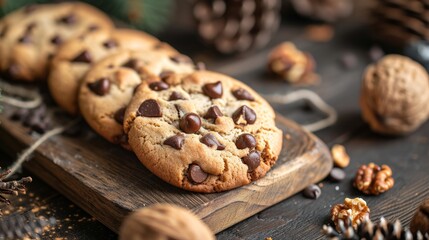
198, 130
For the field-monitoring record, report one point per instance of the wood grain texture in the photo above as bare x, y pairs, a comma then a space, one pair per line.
109, 182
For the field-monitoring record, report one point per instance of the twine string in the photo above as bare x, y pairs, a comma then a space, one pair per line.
27, 152
312, 98
33, 96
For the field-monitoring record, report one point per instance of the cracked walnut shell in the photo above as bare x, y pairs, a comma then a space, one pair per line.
394, 95
291, 64
373, 179
164, 221
352, 212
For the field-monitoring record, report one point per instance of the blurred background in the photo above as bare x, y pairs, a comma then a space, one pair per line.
231, 27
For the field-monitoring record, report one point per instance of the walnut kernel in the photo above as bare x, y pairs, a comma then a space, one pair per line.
373, 179
394, 95
340, 156
291, 64
164, 221
351, 212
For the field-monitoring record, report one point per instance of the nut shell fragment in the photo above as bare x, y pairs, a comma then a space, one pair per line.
340, 156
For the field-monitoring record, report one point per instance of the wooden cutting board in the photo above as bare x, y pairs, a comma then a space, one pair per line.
109, 182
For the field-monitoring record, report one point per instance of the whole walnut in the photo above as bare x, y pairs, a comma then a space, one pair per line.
395, 95
162, 222
420, 221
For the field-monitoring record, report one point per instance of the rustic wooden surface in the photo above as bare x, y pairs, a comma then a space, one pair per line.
296, 217
109, 182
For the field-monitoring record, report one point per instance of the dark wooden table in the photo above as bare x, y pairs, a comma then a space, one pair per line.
296, 217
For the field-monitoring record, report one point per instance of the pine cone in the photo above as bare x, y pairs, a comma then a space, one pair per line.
323, 10
400, 22
233, 26
383, 230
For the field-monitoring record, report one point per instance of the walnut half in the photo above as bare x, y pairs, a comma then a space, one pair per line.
373, 179
352, 212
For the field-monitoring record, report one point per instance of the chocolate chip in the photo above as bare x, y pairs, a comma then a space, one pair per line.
175, 141
196, 174
243, 94
313, 191
25, 39
211, 141
200, 66
57, 40
190, 123
110, 43
252, 160
100, 87
159, 86
176, 96
132, 63
180, 58
213, 90
121, 139
244, 115
337, 175
245, 140
149, 108
119, 115
68, 19
84, 57
213, 113
93, 28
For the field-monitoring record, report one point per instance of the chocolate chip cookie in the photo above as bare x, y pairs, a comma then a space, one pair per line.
108, 87
27, 44
203, 132
76, 56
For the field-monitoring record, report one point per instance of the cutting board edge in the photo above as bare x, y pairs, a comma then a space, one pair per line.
320, 156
